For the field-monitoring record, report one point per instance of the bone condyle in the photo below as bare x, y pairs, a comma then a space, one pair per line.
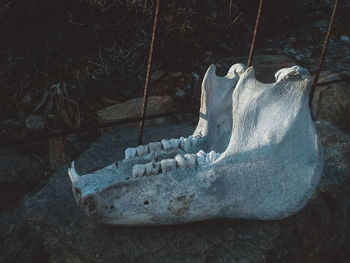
254, 154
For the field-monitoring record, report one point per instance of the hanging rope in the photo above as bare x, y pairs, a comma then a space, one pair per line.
254, 35
324, 49
145, 90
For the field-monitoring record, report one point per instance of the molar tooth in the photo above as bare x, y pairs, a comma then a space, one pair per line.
159, 153
201, 155
166, 145
180, 161
190, 159
207, 159
182, 143
142, 150
154, 146
149, 168
194, 141
167, 165
138, 170
147, 157
212, 156
175, 143
155, 169
185, 143
152, 168
130, 153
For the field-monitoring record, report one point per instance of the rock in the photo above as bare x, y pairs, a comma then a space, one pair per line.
26, 99
132, 108
195, 76
157, 75
345, 39
332, 102
35, 122
179, 93
174, 74
50, 224
20, 173
320, 23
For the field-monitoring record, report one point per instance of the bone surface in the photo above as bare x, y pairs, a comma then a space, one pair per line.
254, 154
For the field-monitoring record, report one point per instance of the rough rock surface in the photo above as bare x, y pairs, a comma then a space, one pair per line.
20, 173
131, 108
332, 102
49, 226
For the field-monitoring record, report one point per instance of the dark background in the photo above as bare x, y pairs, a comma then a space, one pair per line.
101, 47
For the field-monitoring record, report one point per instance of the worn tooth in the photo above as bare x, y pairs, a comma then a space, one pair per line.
180, 161
194, 141
130, 153
147, 157
190, 159
154, 146
166, 145
212, 156
182, 143
127, 154
138, 170
167, 165
152, 168
174, 143
207, 159
142, 150
171, 144
148, 167
185, 143
201, 157
160, 153
155, 169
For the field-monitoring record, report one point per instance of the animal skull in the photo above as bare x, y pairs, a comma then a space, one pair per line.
255, 154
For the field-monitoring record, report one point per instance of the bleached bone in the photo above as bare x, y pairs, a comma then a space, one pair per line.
264, 159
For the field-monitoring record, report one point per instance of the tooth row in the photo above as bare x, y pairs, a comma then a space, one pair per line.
187, 143
180, 161
167, 145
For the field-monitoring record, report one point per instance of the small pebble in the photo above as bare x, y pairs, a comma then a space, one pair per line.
345, 39
179, 93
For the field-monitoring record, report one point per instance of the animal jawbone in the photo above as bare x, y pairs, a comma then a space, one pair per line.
254, 154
